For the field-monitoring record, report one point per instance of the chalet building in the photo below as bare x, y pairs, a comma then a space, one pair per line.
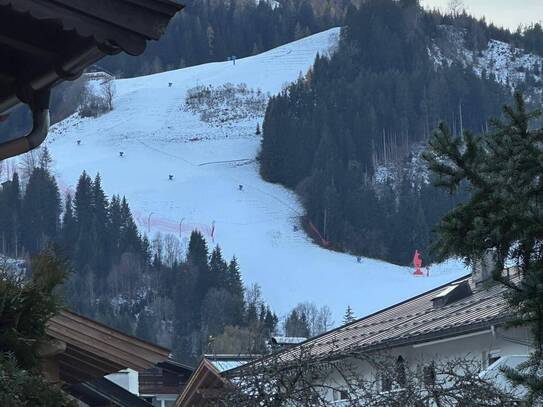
161, 384
208, 381
45, 42
79, 353
465, 319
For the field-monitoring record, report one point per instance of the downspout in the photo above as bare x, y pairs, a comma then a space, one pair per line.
40, 127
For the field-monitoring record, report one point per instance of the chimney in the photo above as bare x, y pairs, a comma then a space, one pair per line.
482, 268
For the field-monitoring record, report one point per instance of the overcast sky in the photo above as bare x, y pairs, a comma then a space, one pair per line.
507, 13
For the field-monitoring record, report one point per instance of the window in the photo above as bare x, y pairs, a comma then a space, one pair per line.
401, 377
493, 356
386, 382
429, 374
338, 395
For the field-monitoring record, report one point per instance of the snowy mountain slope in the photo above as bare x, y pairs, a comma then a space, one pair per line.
159, 136
507, 64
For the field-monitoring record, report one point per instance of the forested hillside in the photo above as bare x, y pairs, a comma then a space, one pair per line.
214, 30
335, 135
154, 289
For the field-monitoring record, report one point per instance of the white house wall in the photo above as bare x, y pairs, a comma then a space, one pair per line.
472, 347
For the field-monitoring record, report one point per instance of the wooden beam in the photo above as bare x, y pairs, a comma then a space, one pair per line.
79, 355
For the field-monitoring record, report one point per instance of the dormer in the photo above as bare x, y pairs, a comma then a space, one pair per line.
452, 293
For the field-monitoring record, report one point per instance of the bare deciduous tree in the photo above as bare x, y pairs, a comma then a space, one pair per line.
97, 97
109, 90
172, 250
305, 380
27, 163
319, 320
456, 7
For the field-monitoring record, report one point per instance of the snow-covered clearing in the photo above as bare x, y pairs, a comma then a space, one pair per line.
159, 136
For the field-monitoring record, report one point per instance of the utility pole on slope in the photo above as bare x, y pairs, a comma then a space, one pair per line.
149, 223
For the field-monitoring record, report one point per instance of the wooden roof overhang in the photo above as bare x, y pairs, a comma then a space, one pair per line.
44, 42
92, 350
205, 384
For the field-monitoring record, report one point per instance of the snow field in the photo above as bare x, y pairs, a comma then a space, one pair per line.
159, 137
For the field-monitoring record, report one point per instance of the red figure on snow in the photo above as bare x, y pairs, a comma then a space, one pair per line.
417, 263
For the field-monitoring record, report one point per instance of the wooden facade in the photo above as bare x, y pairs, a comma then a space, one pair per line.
164, 382
206, 384
80, 350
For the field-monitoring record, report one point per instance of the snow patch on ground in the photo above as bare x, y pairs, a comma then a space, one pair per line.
159, 137
508, 65
14, 267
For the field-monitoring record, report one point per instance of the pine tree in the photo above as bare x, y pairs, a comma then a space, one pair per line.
296, 325
145, 329
83, 216
234, 285
45, 160
10, 215
258, 132
69, 226
218, 269
129, 239
199, 276
503, 216
41, 208
349, 316
115, 227
100, 225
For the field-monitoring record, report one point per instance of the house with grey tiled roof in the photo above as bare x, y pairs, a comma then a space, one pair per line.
464, 319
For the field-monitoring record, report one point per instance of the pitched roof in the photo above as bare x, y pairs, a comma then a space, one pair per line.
205, 379
94, 350
103, 392
223, 363
206, 382
415, 320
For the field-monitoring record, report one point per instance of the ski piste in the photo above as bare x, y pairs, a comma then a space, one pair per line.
259, 222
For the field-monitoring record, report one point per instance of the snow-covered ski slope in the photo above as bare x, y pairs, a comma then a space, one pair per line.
159, 137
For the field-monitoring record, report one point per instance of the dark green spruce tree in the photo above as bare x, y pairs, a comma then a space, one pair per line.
10, 215
26, 308
41, 207
503, 217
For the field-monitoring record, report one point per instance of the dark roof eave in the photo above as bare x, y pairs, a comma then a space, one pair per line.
449, 333
106, 390
126, 24
92, 29
397, 343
